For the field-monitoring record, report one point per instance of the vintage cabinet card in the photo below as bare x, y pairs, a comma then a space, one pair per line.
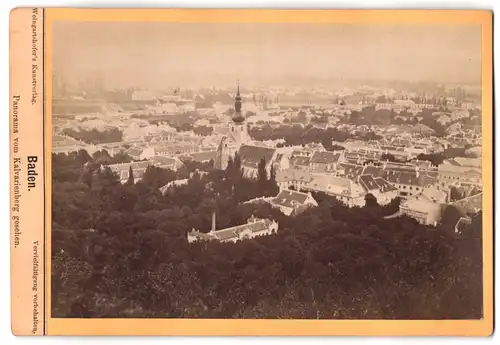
251, 172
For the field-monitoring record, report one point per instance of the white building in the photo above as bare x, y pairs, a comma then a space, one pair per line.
343, 189
425, 207
253, 228
292, 202
292, 178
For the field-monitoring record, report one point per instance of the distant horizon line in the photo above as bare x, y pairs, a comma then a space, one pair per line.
278, 79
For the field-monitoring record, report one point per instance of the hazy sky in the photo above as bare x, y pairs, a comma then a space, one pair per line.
139, 53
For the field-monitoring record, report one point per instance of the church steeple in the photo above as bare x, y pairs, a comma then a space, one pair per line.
238, 117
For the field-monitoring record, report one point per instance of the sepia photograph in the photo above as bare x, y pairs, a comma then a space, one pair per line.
266, 170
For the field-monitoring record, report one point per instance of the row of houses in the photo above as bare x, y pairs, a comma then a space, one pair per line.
426, 206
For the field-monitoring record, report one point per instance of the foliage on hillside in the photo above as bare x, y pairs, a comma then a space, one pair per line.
121, 251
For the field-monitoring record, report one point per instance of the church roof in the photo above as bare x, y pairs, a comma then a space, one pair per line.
251, 155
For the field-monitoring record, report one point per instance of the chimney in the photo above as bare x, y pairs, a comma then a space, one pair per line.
213, 222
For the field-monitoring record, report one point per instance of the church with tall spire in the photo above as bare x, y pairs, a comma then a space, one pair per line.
237, 116
237, 136
238, 140
239, 128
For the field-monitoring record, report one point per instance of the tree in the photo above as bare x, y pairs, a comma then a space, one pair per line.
238, 172
121, 251
83, 157
394, 205
203, 130
450, 217
130, 180
273, 188
104, 180
327, 144
120, 157
302, 117
272, 175
435, 158
230, 168
261, 172
388, 157
155, 177
94, 136
336, 148
455, 194
370, 200
86, 177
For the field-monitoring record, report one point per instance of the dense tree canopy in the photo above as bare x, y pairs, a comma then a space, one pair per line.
299, 135
95, 136
388, 157
438, 158
121, 251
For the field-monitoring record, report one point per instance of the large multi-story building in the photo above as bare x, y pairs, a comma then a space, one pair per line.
343, 189
460, 171
426, 206
292, 178
324, 161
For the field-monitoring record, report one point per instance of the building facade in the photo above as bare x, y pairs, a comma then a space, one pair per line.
254, 227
